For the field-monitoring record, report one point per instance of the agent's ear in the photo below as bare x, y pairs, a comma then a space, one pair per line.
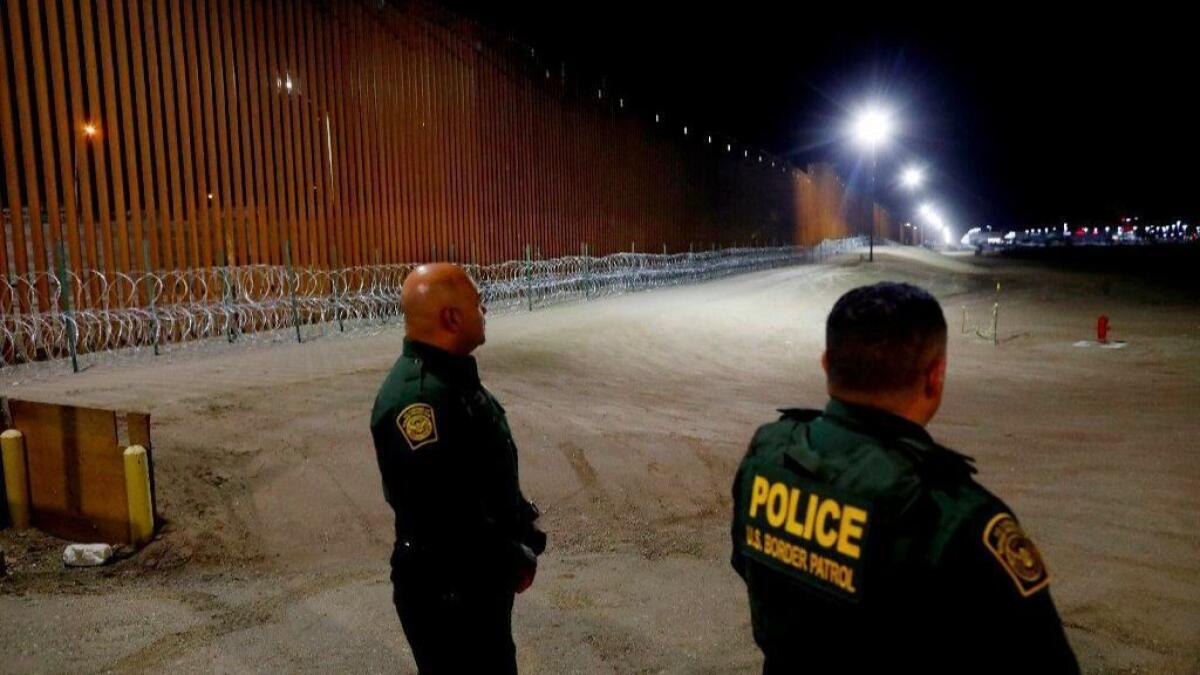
451, 319
825, 363
935, 378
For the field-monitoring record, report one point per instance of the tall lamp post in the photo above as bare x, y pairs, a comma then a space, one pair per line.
912, 178
871, 128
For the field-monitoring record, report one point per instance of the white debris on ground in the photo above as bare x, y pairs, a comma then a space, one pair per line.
1102, 345
87, 555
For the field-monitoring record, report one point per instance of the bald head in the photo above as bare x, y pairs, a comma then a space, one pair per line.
442, 307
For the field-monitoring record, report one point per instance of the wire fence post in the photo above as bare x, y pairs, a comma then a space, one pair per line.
587, 273
529, 275
154, 325
16, 339
337, 308
287, 256
996, 317
230, 333
64, 291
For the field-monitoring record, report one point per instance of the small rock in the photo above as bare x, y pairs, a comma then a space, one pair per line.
153, 553
175, 557
86, 555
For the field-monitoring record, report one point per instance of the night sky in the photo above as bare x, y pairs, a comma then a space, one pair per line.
1023, 118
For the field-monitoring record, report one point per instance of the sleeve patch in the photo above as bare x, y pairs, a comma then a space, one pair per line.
418, 425
1016, 554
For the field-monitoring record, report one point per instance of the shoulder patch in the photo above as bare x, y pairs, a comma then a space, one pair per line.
417, 424
1016, 554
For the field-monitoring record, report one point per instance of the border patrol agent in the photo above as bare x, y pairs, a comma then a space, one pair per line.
465, 534
866, 546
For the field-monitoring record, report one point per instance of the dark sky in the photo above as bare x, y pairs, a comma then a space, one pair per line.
1023, 117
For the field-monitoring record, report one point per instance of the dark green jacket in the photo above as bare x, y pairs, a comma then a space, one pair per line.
866, 546
449, 468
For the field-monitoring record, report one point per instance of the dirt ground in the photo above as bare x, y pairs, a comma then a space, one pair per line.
631, 414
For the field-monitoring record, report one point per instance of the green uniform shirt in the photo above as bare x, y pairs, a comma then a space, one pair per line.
449, 469
867, 546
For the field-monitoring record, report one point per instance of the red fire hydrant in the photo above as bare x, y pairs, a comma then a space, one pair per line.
1102, 328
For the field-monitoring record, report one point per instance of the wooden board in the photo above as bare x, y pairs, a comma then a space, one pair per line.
76, 471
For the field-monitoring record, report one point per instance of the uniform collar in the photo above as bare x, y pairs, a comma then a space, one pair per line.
877, 421
459, 369
935, 459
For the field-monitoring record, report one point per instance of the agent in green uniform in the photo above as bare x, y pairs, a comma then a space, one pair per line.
866, 546
465, 535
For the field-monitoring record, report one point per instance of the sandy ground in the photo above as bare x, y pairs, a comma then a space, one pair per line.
631, 414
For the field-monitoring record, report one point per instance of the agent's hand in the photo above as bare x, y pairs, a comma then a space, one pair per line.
525, 578
527, 571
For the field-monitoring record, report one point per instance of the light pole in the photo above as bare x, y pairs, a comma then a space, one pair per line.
871, 127
911, 178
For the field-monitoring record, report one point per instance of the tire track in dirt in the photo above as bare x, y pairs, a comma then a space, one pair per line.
160, 653
605, 524
584, 471
359, 516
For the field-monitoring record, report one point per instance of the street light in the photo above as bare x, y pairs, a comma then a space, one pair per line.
912, 177
90, 131
934, 219
926, 210
871, 128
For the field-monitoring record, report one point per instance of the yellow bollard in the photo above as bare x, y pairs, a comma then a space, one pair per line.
16, 478
137, 490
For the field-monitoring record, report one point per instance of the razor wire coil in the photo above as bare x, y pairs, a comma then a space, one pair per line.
109, 312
